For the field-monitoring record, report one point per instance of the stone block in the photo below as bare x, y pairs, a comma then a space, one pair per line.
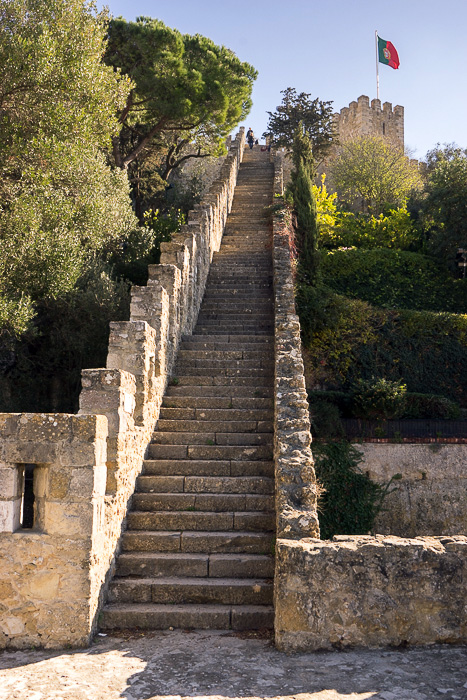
69, 519
10, 483
45, 427
30, 452
10, 514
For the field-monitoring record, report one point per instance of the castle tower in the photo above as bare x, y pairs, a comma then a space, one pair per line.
362, 119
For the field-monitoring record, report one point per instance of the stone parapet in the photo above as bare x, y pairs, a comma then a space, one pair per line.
364, 591
74, 475
296, 488
49, 572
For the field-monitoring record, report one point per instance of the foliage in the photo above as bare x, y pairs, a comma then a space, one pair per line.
42, 371
371, 173
351, 501
328, 407
350, 339
445, 206
60, 204
392, 229
333, 326
326, 209
163, 226
187, 95
393, 279
315, 115
305, 207
325, 419
430, 406
378, 398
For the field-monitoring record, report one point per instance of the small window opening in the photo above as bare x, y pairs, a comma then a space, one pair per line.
27, 505
384, 129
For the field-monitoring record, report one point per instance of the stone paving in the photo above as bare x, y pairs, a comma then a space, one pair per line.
217, 665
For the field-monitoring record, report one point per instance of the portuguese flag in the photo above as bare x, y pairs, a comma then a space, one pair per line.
387, 53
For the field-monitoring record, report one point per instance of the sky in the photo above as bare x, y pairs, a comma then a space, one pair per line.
327, 48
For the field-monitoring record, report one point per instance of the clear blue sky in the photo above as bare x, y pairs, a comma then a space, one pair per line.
328, 50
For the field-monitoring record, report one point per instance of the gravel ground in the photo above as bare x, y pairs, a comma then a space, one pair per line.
221, 665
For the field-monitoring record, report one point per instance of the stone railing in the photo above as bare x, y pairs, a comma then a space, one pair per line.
71, 476
354, 590
296, 492
370, 591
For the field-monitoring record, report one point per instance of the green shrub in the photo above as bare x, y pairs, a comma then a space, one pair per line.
430, 406
426, 351
41, 370
394, 279
326, 420
378, 398
351, 500
394, 229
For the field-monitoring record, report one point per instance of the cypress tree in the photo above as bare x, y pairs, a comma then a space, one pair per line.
305, 207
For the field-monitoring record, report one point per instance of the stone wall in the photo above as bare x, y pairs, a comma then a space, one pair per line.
431, 497
54, 575
370, 591
362, 119
296, 491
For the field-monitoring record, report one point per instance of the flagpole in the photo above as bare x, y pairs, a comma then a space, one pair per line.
377, 67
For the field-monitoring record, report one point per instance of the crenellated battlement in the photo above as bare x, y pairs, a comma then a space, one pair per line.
362, 118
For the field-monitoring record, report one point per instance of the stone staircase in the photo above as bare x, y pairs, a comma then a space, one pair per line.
198, 551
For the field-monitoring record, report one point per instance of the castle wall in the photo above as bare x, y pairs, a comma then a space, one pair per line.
53, 577
361, 118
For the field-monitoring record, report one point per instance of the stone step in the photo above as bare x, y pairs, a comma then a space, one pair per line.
219, 440
208, 467
201, 520
224, 355
230, 390
211, 426
243, 340
220, 374
204, 379
157, 564
201, 502
159, 617
223, 452
216, 414
211, 403
218, 348
198, 541
265, 319
187, 590
228, 330
203, 484
206, 359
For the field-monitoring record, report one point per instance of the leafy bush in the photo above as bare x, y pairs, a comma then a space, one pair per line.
394, 279
163, 226
426, 351
378, 398
351, 500
325, 419
41, 371
430, 406
394, 229
327, 423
